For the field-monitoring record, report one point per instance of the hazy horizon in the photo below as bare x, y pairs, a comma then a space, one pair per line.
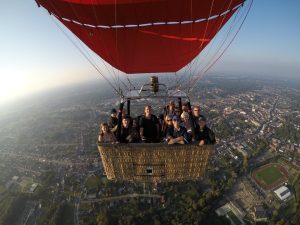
103, 89
36, 56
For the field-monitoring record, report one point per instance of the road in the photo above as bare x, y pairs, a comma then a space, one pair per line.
45, 160
122, 197
76, 209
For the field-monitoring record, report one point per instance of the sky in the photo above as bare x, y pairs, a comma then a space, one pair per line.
36, 56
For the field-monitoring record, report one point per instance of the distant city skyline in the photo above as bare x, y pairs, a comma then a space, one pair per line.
35, 54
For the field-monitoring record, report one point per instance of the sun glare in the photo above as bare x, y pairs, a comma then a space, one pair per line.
11, 86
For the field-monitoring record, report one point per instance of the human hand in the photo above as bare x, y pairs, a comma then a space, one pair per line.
171, 141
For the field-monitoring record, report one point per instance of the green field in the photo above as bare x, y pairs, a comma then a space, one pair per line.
92, 183
269, 174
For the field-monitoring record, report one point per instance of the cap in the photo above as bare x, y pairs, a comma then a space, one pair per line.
113, 111
202, 118
175, 118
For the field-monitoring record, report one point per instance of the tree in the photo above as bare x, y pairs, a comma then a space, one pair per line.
280, 222
102, 218
274, 215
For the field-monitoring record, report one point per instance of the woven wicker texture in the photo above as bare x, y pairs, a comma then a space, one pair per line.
154, 162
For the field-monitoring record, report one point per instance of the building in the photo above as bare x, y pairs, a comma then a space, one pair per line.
33, 187
259, 214
15, 178
229, 209
283, 193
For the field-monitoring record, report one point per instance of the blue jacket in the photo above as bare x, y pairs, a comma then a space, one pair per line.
172, 132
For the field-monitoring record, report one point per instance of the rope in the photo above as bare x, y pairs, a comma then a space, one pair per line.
90, 61
85, 54
115, 78
181, 82
193, 77
198, 75
239, 28
210, 45
190, 64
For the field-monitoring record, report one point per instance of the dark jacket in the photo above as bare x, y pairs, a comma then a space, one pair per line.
129, 135
206, 134
172, 132
113, 121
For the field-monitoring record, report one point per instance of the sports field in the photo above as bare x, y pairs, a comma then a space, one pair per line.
270, 175
92, 183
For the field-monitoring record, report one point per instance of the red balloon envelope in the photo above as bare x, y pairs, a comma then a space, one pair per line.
143, 36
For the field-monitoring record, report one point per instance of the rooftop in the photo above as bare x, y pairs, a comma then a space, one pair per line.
283, 193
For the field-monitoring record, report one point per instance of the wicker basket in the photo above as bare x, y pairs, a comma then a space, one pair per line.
154, 162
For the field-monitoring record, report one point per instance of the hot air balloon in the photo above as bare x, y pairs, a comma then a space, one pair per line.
147, 36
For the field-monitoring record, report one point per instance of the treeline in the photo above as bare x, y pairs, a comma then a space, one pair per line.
186, 203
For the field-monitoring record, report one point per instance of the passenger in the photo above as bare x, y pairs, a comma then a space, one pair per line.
204, 135
177, 134
196, 112
135, 124
171, 109
124, 114
166, 125
185, 107
177, 112
196, 116
128, 133
113, 121
106, 136
149, 126
185, 118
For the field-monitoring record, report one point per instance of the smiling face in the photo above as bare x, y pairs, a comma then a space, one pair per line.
196, 111
168, 120
125, 122
147, 110
171, 106
176, 123
104, 128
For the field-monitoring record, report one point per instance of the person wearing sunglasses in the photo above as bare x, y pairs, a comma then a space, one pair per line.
177, 134
167, 124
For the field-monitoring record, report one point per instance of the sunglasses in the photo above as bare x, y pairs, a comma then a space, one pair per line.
169, 120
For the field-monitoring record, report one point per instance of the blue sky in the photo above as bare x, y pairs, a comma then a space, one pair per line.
35, 55
269, 40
